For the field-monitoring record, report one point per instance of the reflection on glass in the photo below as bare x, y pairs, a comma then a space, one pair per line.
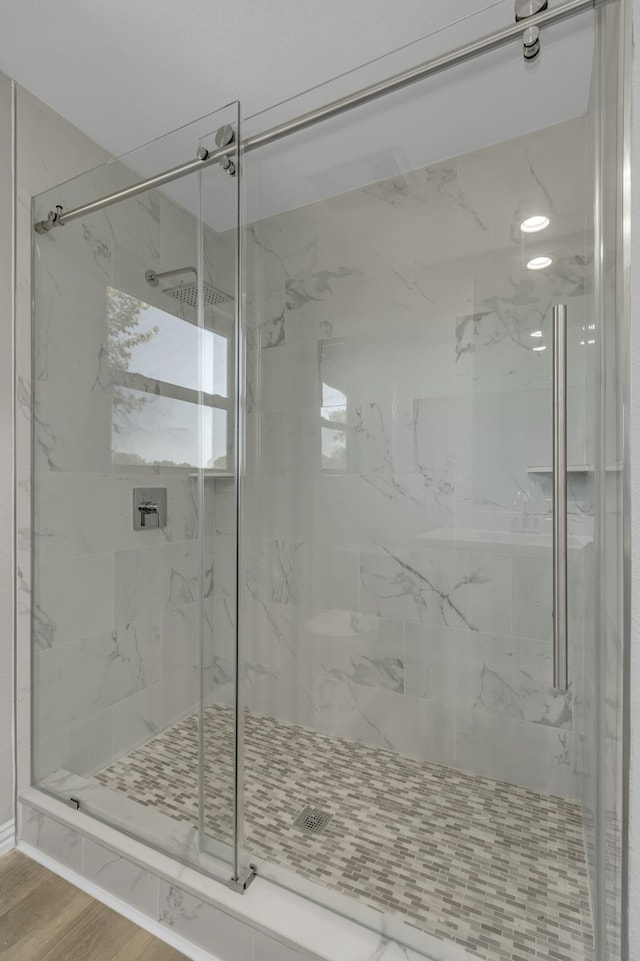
334, 428
170, 396
151, 429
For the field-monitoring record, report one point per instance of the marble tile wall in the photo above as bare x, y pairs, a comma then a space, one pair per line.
396, 548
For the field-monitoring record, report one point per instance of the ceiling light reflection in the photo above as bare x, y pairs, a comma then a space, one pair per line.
539, 263
533, 224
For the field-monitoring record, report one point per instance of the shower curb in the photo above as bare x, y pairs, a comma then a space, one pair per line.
267, 923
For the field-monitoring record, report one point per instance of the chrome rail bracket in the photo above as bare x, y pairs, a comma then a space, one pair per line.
243, 881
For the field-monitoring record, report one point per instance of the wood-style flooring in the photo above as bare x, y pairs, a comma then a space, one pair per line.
44, 918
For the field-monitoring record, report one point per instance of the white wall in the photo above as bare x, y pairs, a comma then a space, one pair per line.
6, 465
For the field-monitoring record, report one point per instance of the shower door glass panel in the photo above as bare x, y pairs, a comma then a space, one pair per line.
133, 392
406, 751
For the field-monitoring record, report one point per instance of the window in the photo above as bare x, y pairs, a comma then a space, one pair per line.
171, 380
333, 420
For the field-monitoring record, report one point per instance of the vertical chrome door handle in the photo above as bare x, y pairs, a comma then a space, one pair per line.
560, 634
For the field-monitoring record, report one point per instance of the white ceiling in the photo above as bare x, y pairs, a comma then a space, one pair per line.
127, 71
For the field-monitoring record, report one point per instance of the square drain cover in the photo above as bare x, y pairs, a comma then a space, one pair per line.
312, 820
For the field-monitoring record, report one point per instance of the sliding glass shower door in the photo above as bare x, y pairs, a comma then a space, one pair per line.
421, 738
133, 492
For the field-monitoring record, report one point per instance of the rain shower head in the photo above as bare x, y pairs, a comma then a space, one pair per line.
187, 293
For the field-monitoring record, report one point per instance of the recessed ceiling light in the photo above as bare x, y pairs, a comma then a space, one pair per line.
536, 333
533, 224
539, 263
541, 347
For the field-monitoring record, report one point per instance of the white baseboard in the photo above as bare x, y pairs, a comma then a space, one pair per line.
7, 837
160, 931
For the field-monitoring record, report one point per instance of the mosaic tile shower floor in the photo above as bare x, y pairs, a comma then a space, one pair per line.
497, 868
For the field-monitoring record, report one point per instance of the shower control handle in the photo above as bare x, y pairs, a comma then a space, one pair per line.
145, 510
560, 546
149, 502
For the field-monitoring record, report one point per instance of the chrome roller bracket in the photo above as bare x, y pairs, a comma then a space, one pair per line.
240, 884
225, 137
524, 9
53, 219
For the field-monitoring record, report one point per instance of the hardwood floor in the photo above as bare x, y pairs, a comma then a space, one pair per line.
44, 918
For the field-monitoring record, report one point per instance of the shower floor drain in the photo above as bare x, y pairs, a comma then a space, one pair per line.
312, 820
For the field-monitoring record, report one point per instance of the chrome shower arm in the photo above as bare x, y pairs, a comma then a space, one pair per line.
152, 277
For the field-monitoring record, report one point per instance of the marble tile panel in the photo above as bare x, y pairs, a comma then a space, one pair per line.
59, 842
495, 348
90, 743
72, 430
147, 713
284, 507
288, 377
305, 574
373, 510
46, 754
501, 186
413, 359
372, 303
505, 676
533, 755
264, 444
291, 697
140, 225
448, 588
379, 436
356, 648
221, 501
472, 440
68, 339
155, 579
179, 639
86, 676
411, 726
220, 565
75, 265
502, 279
495, 499
121, 877
532, 596
263, 643
302, 441
74, 599
266, 314
204, 924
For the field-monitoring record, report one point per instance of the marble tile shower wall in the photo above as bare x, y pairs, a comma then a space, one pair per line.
115, 611
396, 550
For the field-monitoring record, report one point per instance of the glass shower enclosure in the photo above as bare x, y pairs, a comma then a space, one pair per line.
327, 500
